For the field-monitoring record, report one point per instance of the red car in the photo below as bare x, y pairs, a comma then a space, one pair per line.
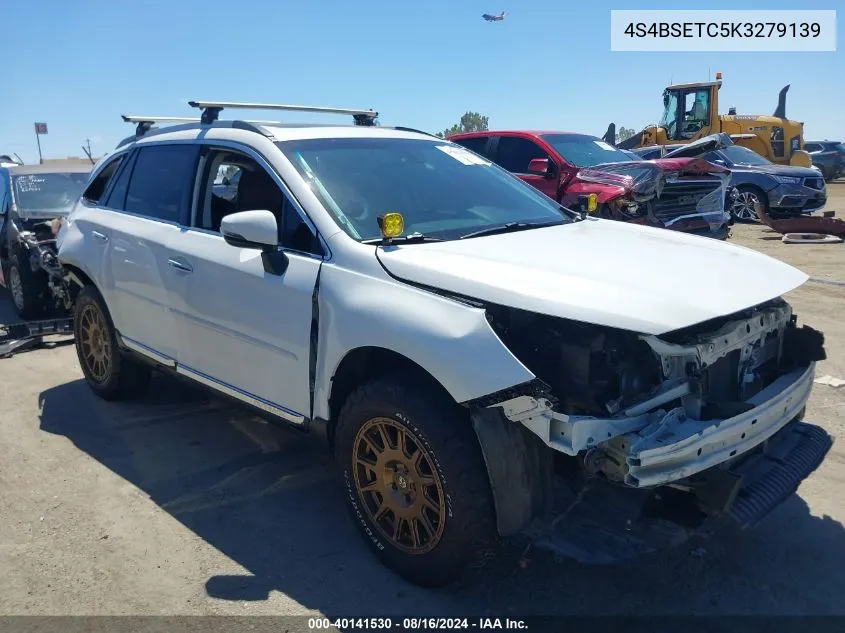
685, 194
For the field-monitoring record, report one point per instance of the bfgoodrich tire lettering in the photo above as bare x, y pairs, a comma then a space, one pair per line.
110, 374
416, 485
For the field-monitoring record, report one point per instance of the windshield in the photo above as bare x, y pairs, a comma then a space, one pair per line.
52, 192
743, 156
669, 120
441, 189
839, 147
585, 151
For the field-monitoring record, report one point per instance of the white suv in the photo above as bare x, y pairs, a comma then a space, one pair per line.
459, 338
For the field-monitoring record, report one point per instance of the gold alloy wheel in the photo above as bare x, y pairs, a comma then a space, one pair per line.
399, 486
94, 342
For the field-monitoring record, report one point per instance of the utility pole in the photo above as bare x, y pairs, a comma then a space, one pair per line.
38, 140
87, 150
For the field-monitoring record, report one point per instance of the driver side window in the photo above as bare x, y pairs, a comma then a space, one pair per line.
233, 182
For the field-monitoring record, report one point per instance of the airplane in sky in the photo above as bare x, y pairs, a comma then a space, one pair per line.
494, 18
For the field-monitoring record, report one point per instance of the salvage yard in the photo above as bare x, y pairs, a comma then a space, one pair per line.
184, 505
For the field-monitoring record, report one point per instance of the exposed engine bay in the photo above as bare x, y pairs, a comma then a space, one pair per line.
617, 394
37, 241
681, 418
690, 198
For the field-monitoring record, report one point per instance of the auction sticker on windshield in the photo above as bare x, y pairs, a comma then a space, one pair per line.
604, 145
462, 155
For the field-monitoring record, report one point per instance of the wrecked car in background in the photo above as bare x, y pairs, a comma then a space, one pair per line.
33, 199
685, 195
828, 157
783, 190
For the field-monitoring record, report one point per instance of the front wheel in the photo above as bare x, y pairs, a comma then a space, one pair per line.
744, 207
416, 483
27, 287
109, 373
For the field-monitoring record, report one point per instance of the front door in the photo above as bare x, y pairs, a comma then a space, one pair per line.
241, 329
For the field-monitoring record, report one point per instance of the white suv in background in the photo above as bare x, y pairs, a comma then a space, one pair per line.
469, 348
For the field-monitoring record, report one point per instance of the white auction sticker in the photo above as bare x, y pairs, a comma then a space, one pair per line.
723, 30
462, 155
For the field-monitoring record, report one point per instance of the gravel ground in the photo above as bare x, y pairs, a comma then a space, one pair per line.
184, 505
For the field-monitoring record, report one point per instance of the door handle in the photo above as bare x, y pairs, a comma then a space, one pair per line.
184, 267
100, 236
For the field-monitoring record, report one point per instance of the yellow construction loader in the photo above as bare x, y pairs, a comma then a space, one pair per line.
691, 111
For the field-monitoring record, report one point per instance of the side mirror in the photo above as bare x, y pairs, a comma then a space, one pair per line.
256, 230
541, 167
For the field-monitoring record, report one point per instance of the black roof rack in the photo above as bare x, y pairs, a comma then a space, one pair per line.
211, 110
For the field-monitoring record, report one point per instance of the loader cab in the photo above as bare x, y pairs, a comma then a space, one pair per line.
690, 111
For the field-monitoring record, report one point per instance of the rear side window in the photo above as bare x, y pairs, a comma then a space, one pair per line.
812, 147
514, 153
476, 144
117, 195
98, 186
162, 180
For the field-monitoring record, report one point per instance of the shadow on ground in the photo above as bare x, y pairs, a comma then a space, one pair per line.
269, 499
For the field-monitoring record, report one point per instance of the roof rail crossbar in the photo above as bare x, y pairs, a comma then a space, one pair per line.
145, 123
211, 110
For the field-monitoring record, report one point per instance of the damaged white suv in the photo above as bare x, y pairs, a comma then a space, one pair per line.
476, 354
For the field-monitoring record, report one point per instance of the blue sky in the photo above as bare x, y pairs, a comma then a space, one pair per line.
79, 65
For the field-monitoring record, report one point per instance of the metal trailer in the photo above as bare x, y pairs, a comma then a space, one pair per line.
18, 337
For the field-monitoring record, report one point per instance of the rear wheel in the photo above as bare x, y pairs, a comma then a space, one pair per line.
109, 373
416, 483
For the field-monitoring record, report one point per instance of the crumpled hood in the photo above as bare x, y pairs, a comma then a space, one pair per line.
626, 172
621, 275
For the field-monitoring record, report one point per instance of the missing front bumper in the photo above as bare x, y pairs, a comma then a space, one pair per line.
611, 524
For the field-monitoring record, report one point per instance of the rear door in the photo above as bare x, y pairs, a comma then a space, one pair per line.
514, 153
148, 202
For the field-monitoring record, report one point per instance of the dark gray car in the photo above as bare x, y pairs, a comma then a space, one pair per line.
829, 156
31, 197
784, 190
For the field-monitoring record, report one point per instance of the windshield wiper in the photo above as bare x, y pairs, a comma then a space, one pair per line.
508, 227
576, 215
413, 238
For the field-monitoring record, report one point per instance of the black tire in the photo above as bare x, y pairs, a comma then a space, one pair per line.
434, 423
28, 288
116, 376
743, 192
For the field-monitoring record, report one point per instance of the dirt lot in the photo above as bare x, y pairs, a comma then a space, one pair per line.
182, 505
